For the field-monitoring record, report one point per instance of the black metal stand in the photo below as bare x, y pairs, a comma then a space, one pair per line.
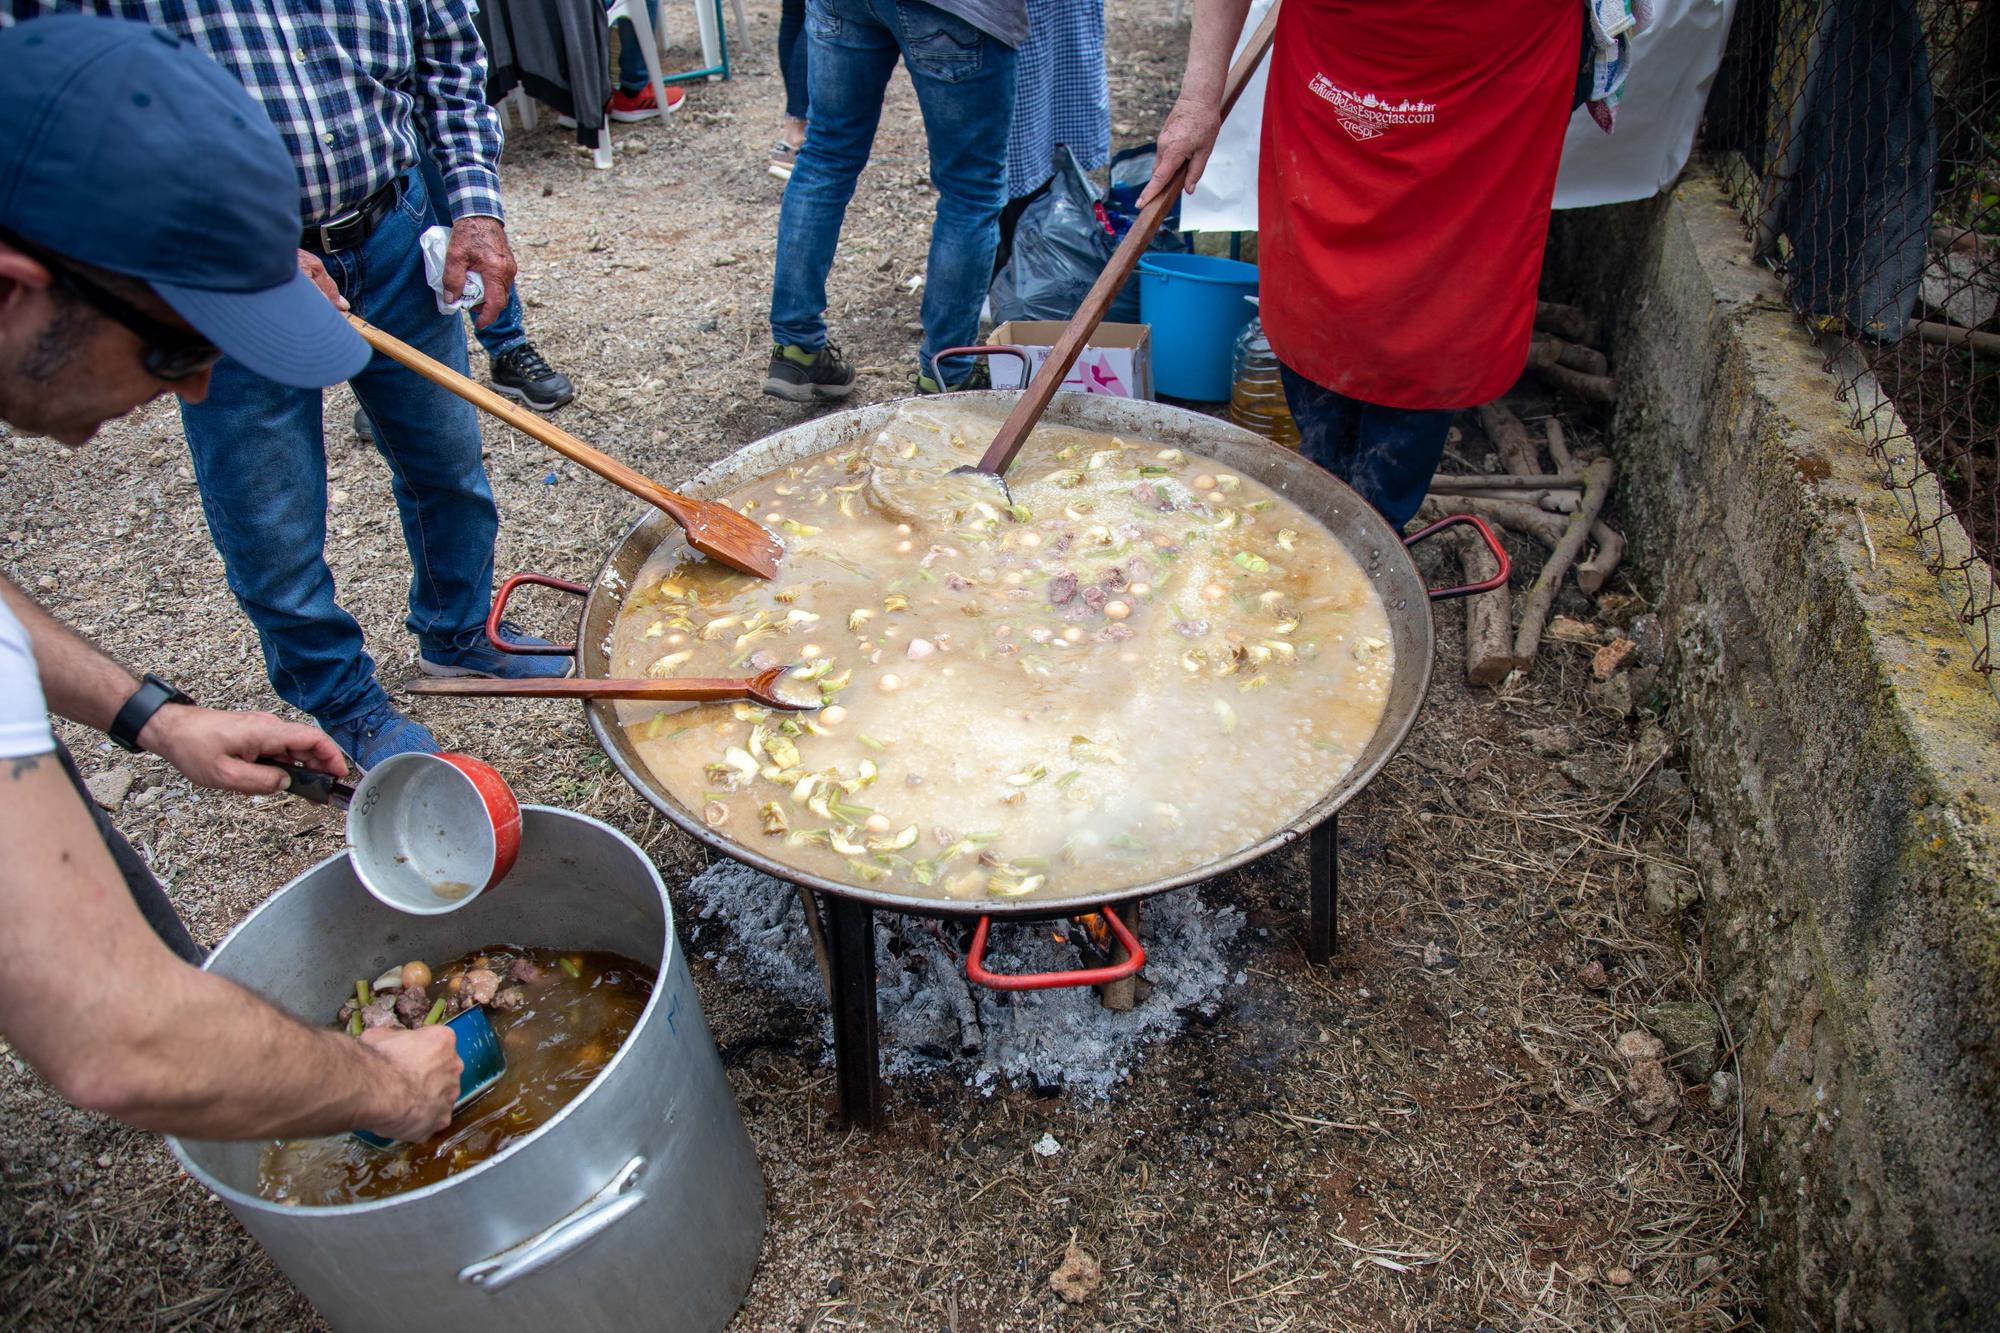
1323, 932
850, 950
856, 1054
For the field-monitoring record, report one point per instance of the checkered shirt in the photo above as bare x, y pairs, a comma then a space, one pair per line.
1061, 95
357, 87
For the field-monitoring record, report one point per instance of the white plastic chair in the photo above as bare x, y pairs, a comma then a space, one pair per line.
707, 22
634, 12
524, 107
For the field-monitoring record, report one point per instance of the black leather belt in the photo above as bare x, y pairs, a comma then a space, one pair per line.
354, 226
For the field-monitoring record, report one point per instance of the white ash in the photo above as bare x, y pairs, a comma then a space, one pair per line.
935, 1022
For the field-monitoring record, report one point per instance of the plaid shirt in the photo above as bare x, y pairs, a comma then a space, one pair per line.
357, 87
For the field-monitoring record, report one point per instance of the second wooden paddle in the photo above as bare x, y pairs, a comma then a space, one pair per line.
1034, 400
766, 687
715, 530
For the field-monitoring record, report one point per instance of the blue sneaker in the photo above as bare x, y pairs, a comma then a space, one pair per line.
380, 732
472, 655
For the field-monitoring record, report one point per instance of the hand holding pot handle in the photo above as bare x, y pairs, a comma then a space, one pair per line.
420, 1083
310, 784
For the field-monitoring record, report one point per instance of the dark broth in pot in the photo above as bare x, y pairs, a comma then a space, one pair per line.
574, 1020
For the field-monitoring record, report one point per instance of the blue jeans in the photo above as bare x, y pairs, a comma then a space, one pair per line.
632, 64
792, 56
260, 461
965, 86
1387, 454
504, 334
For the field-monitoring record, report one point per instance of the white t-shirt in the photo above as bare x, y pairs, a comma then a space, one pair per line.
24, 718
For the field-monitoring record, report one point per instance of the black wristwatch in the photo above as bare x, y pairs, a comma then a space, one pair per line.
150, 698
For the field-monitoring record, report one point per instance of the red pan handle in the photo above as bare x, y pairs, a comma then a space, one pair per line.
499, 612
983, 349
975, 963
1492, 544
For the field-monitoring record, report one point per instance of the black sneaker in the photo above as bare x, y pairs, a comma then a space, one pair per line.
802, 376
980, 378
521, 373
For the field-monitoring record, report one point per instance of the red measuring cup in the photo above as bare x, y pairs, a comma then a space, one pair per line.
427, 833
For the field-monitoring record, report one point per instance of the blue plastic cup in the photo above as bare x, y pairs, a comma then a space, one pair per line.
479, 1050
1195, 306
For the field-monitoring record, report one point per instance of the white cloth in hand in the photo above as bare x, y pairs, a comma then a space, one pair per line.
435, 242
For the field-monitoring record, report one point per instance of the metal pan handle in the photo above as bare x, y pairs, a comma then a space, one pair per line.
975, 963
1492, 544
309, 784
594, 1217
499, 613
982, 349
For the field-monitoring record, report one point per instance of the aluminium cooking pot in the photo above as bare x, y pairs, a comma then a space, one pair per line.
1381, 553
639, 1205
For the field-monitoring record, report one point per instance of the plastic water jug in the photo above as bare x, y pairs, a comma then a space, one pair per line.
1256, 394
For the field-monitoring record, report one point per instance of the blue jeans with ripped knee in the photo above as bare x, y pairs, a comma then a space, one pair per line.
965, 87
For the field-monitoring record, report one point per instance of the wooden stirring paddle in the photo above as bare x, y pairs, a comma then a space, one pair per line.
761, 688
1034, 400
715, 530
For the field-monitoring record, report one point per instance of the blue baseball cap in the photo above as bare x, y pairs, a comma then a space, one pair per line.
128, 148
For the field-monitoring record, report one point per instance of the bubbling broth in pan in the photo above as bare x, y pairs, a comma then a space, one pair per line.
1143, 664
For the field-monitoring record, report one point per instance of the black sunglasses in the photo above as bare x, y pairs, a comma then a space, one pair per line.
171, 353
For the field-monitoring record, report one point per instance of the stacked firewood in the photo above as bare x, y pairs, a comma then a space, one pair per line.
1558, 504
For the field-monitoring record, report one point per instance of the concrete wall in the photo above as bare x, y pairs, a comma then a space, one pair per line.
1847, 762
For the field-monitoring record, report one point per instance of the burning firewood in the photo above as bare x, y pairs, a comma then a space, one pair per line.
1122, 995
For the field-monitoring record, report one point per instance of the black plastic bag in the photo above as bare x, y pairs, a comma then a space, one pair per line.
1060, 246
1062, 243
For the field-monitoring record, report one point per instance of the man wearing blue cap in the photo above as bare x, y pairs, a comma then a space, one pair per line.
114, 130
359, 94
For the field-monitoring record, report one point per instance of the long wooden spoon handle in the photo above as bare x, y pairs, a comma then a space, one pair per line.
523, 420
689, 688
1034, 400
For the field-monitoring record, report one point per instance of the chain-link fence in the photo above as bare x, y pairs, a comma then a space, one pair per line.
1863, 142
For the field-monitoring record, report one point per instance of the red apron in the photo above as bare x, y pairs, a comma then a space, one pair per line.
1409, 162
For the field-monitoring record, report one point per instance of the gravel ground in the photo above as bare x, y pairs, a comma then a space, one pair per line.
1432, 1134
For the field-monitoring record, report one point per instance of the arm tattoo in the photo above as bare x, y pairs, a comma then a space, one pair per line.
24, 765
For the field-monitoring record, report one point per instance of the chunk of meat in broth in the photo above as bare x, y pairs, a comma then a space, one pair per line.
482, 984
412, 1005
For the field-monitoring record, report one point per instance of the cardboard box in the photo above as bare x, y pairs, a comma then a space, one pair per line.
1118, 359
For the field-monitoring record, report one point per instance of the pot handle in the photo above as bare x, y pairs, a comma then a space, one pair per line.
975, 963
1492, 544
309, 784
982, 349
499, 612
590, 1220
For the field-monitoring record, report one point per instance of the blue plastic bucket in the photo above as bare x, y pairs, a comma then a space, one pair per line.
1195, 306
